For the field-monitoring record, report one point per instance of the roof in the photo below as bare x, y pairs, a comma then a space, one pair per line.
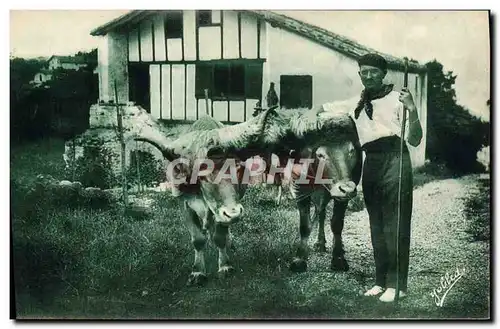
69, 59
331, 40
131, 17
346, 46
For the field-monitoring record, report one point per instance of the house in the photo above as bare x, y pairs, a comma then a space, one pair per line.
57, 62
165, 60
41, 77
66, 62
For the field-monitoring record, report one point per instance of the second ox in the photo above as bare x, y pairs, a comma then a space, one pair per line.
320, 146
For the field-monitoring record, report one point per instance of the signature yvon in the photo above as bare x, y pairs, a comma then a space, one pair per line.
446, 283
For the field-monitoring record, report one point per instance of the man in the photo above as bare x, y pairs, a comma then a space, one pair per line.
378, 115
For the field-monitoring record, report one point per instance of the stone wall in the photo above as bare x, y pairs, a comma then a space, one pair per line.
98, 149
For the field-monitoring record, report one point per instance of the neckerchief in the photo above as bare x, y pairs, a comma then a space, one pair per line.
367, 97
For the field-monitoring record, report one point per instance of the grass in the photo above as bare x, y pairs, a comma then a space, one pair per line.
477, 208
46, 155
431, 172
75, 258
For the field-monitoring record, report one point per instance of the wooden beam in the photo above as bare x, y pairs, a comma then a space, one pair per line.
239, 34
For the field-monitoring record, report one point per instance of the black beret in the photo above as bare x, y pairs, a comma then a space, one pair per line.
374, 60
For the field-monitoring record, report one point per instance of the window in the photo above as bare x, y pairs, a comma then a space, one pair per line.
229, 80
222, 81
173, 25
208, 17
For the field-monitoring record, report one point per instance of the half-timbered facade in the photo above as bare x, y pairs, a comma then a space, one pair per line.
165, 60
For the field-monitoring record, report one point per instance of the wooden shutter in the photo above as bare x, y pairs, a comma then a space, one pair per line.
253, 83
203, 79
237, 81
221, 80
296, 91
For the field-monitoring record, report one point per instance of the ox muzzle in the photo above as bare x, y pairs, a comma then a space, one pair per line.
229, 214
343, 191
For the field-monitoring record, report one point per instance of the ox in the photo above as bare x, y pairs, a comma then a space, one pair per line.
328, 139
211, 203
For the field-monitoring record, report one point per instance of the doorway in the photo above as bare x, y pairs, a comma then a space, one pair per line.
139, 85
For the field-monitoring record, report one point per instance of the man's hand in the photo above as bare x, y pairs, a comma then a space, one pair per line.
415, 129
406, 98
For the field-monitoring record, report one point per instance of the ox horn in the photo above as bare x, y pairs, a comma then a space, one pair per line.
158, 140
235, 137
242, 135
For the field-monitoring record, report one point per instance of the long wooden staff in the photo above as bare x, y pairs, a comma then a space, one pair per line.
400, 192
206, 102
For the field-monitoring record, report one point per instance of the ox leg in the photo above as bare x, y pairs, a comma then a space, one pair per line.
198, 275
278, 198
221, 240
320, 244
299, 263
339, 263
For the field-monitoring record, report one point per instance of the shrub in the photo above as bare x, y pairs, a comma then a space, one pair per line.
483, 157
431, 171
454, 135
477, 210
150, 169
94, 168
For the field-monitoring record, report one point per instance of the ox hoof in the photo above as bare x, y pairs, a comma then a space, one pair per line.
319, 247
298, 265
339, 264
197, 279
226, 271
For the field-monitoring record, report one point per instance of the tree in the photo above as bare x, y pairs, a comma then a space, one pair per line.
59, 107
454, 135
22, 71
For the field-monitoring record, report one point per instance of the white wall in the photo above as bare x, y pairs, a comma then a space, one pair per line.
54, 63
230, 34
113, 66
70, 66
189, 34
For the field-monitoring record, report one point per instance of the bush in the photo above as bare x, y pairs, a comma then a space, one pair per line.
431, 171
59, 108
477, 209
483, 157
94, 168
454, 135
150, 169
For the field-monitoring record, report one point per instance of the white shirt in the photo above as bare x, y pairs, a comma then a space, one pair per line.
387, 117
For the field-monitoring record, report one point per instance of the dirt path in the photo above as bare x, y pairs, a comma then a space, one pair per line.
439, 245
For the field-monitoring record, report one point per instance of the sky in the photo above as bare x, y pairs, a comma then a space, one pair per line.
457, 39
